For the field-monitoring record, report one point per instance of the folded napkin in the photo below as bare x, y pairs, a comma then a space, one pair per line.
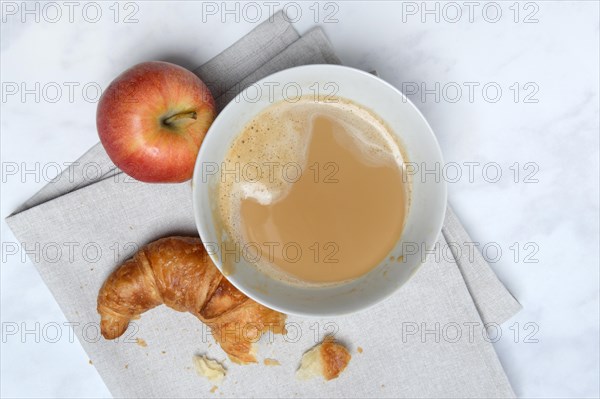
427, 340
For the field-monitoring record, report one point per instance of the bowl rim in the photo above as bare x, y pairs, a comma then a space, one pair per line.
361, 306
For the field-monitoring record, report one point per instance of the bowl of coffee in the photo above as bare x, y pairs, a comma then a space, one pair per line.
313, 191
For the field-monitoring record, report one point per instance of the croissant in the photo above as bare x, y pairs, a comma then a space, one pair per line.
178, 272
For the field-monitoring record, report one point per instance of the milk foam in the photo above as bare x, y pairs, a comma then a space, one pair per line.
276, 141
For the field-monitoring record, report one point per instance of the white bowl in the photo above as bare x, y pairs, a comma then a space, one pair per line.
427, 202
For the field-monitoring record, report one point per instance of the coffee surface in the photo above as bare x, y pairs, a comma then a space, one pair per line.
313, 192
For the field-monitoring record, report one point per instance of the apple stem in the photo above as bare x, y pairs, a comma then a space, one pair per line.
171, 120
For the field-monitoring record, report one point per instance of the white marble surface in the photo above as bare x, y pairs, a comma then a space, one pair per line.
557, 56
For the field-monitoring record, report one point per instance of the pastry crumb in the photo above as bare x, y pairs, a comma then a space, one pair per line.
271, 362
359, 349
209, 368
141, 342
90, 361
328, 359
213, 389
127, 366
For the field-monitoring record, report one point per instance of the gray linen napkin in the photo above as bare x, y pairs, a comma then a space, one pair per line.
85, 223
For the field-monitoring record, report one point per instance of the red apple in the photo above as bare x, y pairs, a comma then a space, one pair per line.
152, 119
